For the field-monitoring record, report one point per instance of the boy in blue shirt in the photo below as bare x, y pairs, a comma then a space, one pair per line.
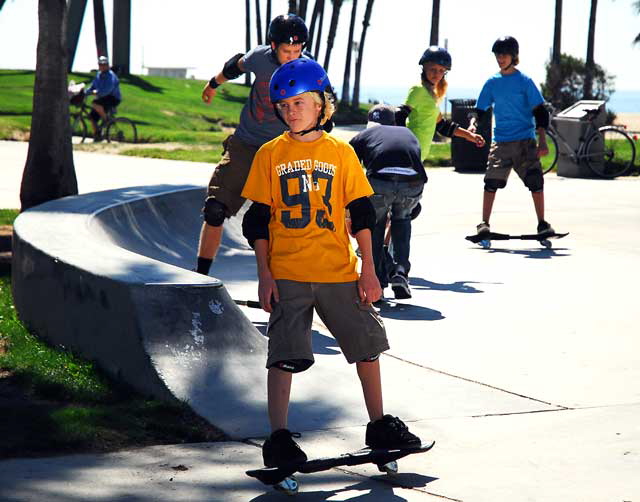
519, 114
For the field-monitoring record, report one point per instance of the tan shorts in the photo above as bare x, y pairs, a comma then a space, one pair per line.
230, 175
521, 156
357, 327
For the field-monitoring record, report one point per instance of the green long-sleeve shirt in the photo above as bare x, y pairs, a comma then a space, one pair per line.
423, 117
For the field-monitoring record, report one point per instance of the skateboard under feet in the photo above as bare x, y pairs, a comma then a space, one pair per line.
282, 478
485, 238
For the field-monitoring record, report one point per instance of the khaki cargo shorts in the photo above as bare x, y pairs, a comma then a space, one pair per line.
521, 156
230, 175
357, 327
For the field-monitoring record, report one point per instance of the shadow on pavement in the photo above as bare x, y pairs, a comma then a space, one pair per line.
456, 287
408, 312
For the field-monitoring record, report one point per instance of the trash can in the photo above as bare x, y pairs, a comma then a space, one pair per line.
466, 156
572, 125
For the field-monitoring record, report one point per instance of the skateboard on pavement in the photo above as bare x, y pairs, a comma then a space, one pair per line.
282, 479
485, 238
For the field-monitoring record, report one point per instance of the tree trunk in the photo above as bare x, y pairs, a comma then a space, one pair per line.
316, 53
554, 69
355, 103
435, 22
258, 23
302, 9
100, 27
247, 27
335, 15
49, 172
121, 36
293, 7
75, 15
312, 25
589, 63
346, 81
267, 21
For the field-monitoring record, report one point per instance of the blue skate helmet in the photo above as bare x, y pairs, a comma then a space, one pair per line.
297, 77
438, 55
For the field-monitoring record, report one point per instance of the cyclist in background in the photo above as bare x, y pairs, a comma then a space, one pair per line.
519, 113
106, 87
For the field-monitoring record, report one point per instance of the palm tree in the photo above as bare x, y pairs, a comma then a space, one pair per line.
293, 7
302, 9
267, 20
100, 27
75, 15
355, 103
318, 38
258, 22
347, 66
49, 172
636, 6
589, 63
335, 15
554, 67
247, 27
435, 22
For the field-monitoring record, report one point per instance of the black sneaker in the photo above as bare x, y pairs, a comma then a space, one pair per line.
389, 432
400, 286
483, 228
280, 450
544, 228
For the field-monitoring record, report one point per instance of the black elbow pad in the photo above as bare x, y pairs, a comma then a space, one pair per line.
541, 115
363, 215
255, 224
231, 69
447, 127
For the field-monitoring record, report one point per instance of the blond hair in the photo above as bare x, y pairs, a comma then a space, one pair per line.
329, 104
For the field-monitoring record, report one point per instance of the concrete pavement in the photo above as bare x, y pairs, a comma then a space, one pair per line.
521, 362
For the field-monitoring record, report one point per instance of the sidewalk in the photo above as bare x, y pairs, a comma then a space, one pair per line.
520, 362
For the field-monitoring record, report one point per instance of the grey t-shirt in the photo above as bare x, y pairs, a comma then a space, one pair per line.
258, 121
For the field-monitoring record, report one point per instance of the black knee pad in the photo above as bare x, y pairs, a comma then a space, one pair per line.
214, 212
533, 180
293, 365
371, 359
492, 184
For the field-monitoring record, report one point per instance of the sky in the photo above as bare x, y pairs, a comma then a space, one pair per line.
203, 34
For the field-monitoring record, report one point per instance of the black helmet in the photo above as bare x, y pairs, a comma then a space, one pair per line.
438, 55
506, 45
289, 29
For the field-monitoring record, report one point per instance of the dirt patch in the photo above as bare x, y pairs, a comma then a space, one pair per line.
117, 148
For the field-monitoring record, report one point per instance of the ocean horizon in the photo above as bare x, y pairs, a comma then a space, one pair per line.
620, 102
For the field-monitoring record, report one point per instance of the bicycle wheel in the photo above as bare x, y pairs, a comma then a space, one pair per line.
78, 127
122, 130
610, 153
550, 160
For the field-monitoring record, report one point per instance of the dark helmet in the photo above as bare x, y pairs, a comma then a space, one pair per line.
382, 114
289, 29
506, 45
297, 77
438, 55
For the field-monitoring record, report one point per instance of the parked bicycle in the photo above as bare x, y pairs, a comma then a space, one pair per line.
113, 129
608, 150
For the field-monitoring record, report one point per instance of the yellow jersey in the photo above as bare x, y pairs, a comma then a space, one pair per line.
308, 185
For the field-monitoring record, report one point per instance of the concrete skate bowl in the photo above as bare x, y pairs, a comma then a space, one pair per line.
106, 275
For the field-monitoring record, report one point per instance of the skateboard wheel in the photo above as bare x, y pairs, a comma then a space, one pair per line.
288, 485
546, 243
485, 243
389, 467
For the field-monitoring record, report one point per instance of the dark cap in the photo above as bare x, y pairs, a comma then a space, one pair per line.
382, 114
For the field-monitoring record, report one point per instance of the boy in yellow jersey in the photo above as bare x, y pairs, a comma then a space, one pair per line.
301, 183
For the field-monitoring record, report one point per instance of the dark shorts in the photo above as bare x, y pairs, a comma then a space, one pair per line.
108, 102
521, 156
230, 175
357, 327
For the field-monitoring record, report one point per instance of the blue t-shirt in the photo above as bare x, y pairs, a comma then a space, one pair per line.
513, 98
258, 122
106, 84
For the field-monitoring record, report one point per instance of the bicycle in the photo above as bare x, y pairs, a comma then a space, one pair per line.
116, 129
608, 151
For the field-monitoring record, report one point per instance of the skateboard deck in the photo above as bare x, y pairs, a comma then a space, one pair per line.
485, 238
274, 475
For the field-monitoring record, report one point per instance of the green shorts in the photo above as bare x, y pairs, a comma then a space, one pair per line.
521, 156
357, 327
230, 175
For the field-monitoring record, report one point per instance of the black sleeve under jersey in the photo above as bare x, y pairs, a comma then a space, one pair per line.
363, 215
255, 224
